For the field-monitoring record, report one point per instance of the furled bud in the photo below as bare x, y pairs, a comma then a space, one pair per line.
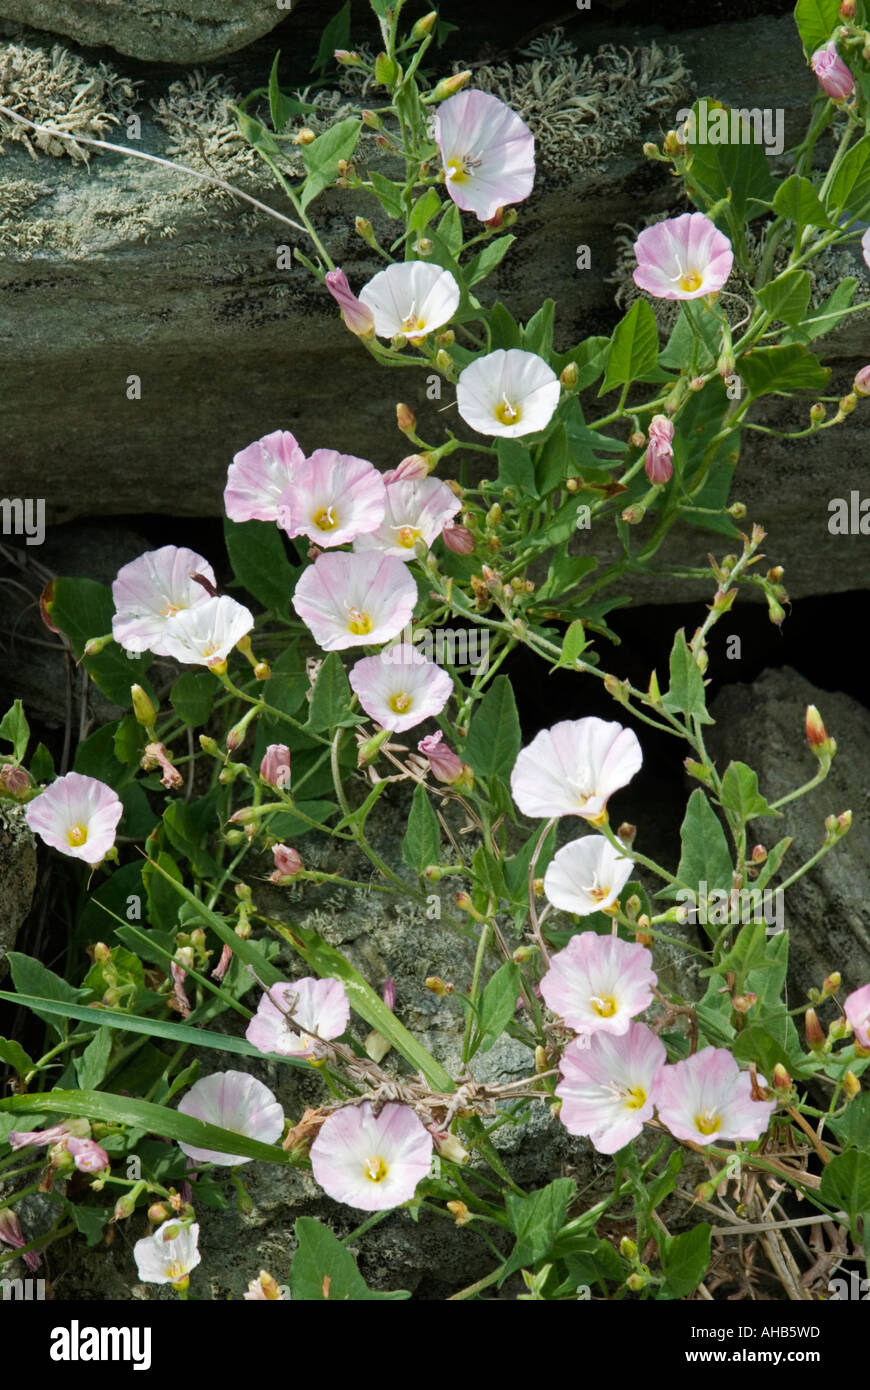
861, 384
436, 985
813, 1031
831, 984
405, 418
275, 765
835, 78
659, 461
819, 740
14, 782
144, 709
569, 376
817, 413
848, 9
445, 765
759, 854
458, 539
449, 86
780, 1079
95, 645
288, 863
851, 1085
346, 59
627, 1248
450, 1147
357, 316
424, 26
847, 403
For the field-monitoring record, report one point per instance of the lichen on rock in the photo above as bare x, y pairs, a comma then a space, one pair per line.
55, 87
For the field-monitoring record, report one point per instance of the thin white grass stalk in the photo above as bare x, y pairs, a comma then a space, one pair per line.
155, 159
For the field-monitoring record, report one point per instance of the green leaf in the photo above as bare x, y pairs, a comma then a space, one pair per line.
260, 563
589, 357
494, 737
281, 108
31, 977
554, 462
846, 1184
789, 368
191, 697
538, 332
737, 169
421, 845
573, 644
91, 1066
698, 333
16, 730
515, 468
90, 1221
498, 1004
815, 20
685, 1260
536, 1221
335, 35
324, 1270
42, 765
740, 796
331, 697
450, 232
486, 260
852, 1129
388, 194
798, 200
634, 347
153, 1119
185, 829
771, 864
826, 317
757, 1044
83, 609
704, 853
12, 1054
427, 206
850, 190
686, 693
321, 159
787, 297
504, 330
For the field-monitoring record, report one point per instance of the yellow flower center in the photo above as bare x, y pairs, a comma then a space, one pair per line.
604, 1005
635, 1098
325, 519
408, 536
690, 281
77, 835
457, 170
171, 609
507, 413
175, 1271
399, 703
359, 623
375, 1169
708, 1122
413, 324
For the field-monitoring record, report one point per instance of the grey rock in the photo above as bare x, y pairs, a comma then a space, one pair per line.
17, 876
182, 31
826, 910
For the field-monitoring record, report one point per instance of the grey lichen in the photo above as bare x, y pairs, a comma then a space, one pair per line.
58, 88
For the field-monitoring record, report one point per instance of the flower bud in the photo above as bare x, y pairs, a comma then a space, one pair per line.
158, 1212
851, 1085
124, 1207
275, 765
817, 413
847, 9
450, 1147
813, 1031
445, 765
659, 461
405, 418
626, 833
831, 984
144, 709
346, 59
288, 863
569, 376
14, 782
847, 403
633, 515
742, 1003
835, 78
636, 1281
458, 539
449, 86
650, 149
209, 746
443, 361
672, 144
780, 1078
95, 645
357, 316
424, 26
460, 1213
262, 671
820, 742
759, 854
627, 1248
861, 384
436, 985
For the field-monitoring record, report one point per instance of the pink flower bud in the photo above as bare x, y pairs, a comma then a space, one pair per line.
458, 539
12, 1234
288, 863
275, 767
179, 996
36, 1138
357, 316
88, 1156
861, 384
410, 470
835, 79
659, 461
223, 964
388, 993
14, 781
445, 764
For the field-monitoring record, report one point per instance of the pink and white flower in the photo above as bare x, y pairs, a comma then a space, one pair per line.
446, 765
38, 1138
357, 316
275, 765
205, 635
288, 863
865, 247
265, 1289
659, 460
608, 1086
487, 151
169, 1254
151, 590
707, 1098
416, 511
12, 1234
587, 876
332, 499
87, 1154
77, 815
295, 1019
683, 258
599, 983
411, 299
508, 392
355, 600
371, 1161
236, 1101
835, 77
400, 694
573, 768
857, 1011
259, 474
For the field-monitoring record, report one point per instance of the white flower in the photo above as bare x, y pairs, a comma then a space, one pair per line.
587, 875
167, 1256
411, 298
417, 509
399, 688
574, 767
205, 636
508, 392
151, 590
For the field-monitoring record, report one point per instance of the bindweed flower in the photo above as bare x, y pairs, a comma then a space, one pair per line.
288, 863
371, 1161
446, 765
587, 875
275, 765
411, 299
236, 1101
508, 392
332, 499
599, 983
357, 316
857, 1010
835, 77
574, 767
153, 589
608, 1087
12, 1234
320, 1011
355, 600
487, 152
398, 693
417, 510
76, 815
659, 460
223, 964
458, 539
861, 384
87, 1154
682, 258
37, 1138
259, 474
205, 636
410, 470
265, 1289
706, 1098
169, 1254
